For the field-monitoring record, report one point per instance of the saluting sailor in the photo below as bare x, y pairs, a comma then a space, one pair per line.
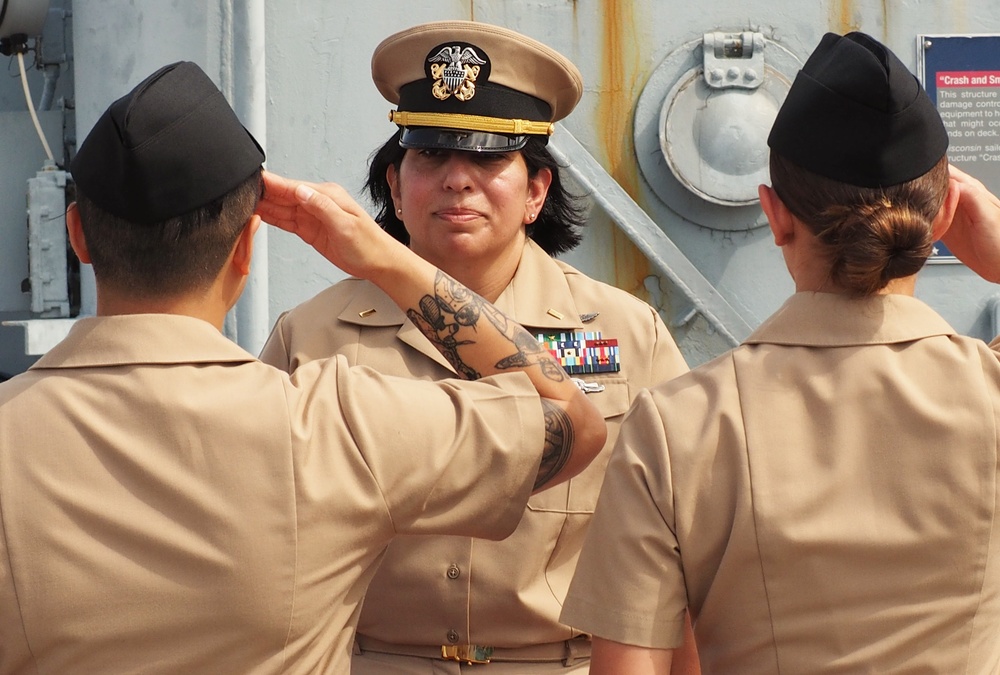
467, 182
823, 498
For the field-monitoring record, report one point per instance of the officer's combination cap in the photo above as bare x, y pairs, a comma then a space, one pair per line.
855, 114
171, 145
464, 85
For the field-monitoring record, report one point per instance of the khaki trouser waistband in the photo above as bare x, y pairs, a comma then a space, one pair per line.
567, 651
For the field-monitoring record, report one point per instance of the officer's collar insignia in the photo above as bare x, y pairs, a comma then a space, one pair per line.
582, 352
454, 69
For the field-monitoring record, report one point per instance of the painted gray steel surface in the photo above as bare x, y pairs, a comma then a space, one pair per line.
323, 117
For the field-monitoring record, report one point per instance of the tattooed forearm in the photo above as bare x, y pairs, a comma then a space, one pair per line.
453, 307
531, 351
442, 315
558, 442
457, 300
442, 336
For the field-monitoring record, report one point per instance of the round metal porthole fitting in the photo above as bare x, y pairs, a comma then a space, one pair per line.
702, 122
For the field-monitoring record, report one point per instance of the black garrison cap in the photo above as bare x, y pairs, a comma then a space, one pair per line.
169, 146
466, 85
855, 114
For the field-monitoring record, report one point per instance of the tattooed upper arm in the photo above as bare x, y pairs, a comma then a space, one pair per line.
558, 442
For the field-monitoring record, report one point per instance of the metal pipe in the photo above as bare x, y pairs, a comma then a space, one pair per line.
51, 75
244, 82
993, 312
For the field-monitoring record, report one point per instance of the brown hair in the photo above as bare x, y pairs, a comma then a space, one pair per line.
176, 256
872, 235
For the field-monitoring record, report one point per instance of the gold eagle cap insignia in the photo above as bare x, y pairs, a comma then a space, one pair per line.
455, 70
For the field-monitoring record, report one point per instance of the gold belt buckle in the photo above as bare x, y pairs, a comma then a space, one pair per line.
468, 653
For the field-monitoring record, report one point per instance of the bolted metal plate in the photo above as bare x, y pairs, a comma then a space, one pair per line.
703, 149
715, 140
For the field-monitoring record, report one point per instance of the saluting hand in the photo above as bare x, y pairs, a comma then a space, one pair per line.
327, 218
974, 235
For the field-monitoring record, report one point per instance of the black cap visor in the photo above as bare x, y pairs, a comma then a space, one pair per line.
454, 139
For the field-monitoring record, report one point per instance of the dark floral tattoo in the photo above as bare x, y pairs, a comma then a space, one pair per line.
454, 307
558, 442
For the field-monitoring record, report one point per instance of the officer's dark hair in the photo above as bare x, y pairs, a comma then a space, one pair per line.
871, 235
170, 258
556, 229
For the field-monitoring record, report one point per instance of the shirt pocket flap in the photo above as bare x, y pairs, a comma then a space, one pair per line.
579, 494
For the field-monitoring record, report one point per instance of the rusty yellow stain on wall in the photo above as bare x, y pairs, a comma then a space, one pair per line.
956, 13
631, 266
843, 17
617, 92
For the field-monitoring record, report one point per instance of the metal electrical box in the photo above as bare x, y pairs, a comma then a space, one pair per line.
48, 271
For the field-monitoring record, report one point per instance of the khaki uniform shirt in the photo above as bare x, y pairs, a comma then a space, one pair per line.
824, 496
448, 590
169, 504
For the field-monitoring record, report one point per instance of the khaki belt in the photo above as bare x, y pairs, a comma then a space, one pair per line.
567, 651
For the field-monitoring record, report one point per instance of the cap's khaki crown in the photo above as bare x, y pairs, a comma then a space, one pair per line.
508, 59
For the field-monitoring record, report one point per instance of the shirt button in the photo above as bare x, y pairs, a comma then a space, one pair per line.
454, 572
452, 636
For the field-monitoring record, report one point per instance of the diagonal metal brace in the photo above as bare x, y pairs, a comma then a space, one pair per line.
663, 254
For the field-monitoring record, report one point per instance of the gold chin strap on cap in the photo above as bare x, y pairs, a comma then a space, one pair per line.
496, 125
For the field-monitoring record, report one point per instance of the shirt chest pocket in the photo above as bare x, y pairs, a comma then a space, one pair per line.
579, 495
